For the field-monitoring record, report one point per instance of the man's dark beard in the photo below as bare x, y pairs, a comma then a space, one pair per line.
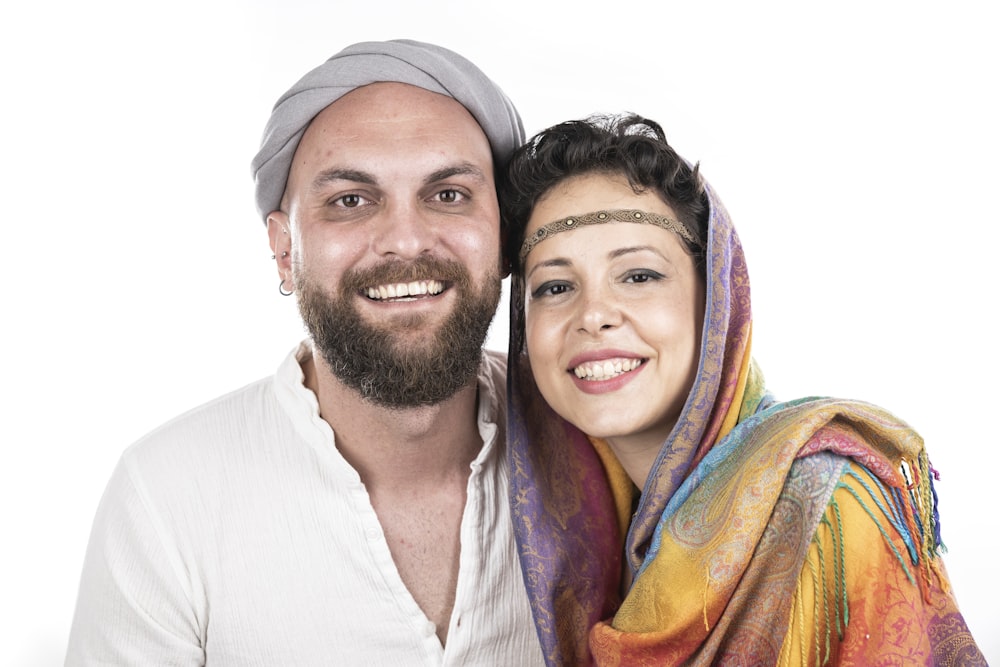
400, 373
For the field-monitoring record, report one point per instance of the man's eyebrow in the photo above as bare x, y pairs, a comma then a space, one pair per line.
463, 169
336, 174
357, 176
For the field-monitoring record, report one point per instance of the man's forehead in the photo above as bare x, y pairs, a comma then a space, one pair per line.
391, 102
380, 121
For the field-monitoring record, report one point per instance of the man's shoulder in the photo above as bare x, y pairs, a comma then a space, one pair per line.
244, 412
200, 432
493, 379
494, 366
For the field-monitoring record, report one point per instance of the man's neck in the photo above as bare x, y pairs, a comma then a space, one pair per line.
415, 467
409, 447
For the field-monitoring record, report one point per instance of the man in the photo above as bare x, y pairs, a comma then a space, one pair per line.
353, 508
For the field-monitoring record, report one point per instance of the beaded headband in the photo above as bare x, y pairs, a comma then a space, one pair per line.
600, 217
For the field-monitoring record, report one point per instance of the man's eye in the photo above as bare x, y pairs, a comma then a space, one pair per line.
349, 201
449, 196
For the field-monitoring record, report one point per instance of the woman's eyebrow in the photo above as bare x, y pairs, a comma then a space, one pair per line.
620, 252
613, 254
548, 263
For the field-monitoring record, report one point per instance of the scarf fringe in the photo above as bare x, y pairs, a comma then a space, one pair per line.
909, 513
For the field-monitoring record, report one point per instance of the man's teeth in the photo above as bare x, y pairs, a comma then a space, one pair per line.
602, 370
403, 290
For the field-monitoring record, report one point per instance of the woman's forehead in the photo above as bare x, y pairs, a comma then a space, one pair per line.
603, 242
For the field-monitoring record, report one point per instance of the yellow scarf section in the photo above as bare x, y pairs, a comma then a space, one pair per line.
807, 539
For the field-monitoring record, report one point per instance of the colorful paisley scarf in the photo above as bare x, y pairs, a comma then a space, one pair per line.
752, 541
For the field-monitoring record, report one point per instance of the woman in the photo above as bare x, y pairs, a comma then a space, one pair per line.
753, 531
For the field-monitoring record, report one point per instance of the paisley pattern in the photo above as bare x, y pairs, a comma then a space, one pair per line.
767, 533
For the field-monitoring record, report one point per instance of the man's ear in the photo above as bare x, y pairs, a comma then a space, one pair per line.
281, 246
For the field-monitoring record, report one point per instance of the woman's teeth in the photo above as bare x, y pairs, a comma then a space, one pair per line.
603, 370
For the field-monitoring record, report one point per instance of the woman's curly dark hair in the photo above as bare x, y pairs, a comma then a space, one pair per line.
627, 145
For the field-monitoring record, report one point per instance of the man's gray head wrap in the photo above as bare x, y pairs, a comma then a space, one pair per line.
431, 67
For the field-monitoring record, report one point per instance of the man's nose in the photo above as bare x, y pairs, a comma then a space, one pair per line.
404, 230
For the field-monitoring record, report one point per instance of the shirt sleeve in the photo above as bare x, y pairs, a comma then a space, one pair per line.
133, 607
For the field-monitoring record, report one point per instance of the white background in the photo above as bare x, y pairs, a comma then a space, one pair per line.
854, 143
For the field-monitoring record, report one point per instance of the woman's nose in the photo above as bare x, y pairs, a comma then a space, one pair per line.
598, 311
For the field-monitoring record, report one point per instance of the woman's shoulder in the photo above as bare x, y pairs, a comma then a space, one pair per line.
873, 585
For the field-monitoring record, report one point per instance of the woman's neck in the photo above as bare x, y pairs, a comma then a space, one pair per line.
636, 454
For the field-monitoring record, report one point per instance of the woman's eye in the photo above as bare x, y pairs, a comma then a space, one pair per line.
550, 289
642, 276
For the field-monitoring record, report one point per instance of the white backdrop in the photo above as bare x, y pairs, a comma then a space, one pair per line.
851, 143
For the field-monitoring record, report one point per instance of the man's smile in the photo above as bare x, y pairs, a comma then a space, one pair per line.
410, 290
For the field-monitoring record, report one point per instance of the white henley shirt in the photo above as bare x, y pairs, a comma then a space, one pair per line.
237, 535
